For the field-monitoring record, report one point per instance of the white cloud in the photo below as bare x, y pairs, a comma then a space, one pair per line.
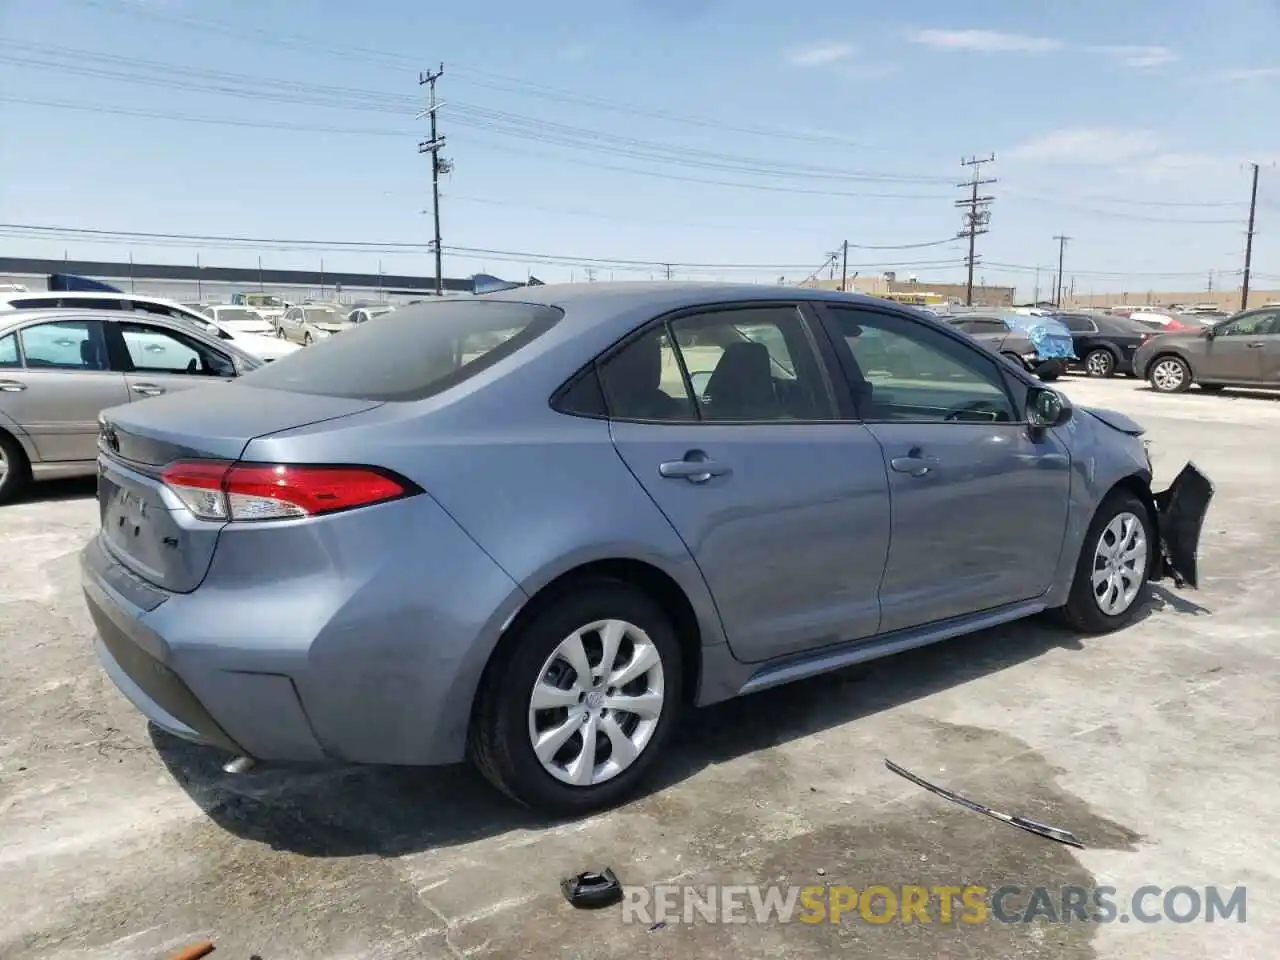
1137, 56
1248, 73
820, 54
1095, 146
983, 41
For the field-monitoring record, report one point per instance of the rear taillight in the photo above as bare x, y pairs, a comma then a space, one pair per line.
218, 490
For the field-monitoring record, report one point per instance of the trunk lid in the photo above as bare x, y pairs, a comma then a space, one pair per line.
144, 525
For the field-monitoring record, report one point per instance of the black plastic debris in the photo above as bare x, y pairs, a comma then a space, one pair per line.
1022, 823
591, 891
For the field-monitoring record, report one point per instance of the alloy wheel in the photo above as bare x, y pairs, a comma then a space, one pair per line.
1168, 375
596, 703
4, 465
1100, 363
1119, 564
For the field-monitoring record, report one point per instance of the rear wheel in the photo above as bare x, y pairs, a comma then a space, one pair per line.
580, 704
1100, 363
1114, 566
1170, 374
15, 472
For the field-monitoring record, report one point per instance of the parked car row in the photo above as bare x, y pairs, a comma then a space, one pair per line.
60, 367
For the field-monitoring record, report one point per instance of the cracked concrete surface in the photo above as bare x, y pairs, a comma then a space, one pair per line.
1157, 746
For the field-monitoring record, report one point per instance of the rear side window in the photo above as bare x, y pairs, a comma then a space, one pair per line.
410, 354
9, 351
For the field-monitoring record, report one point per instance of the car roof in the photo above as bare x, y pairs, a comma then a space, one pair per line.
11, 318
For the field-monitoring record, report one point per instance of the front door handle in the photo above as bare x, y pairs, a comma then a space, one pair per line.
12, 386
914, 463
147, 389
1256, 345
696, 467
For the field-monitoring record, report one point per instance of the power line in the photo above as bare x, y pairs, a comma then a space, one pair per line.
117, 236
480, 78
976, 216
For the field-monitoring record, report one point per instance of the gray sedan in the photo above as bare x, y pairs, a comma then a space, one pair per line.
509, 527
60, 368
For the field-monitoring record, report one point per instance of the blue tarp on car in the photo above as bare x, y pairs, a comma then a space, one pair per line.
1050, 337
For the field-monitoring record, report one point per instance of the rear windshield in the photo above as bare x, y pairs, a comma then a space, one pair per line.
412, 353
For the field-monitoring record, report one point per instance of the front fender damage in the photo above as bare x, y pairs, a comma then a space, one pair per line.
1180, 511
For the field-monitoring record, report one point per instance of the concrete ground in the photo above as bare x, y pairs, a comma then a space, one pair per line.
1159, 747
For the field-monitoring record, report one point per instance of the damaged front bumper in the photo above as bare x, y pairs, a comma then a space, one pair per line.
1180, 513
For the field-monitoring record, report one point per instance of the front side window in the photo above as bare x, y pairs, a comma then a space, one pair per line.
1250, 325
905, 371
157, 350
65, 345
9, 351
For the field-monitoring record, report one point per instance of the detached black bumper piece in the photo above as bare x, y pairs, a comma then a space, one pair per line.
1181, 511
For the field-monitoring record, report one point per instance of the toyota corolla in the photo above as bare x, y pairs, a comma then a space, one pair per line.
530, 528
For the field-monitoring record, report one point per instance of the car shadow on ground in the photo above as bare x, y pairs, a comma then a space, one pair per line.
52, 491
1226, 393
382, 811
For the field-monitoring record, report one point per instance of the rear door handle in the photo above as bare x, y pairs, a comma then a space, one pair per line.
12, 386
696, 467
147, 389
1256, 345
914, 463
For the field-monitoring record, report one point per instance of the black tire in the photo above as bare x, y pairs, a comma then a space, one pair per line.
306, 340
1161, 384
1049, 375
1100, 362
499, 742
280, 333
1083, 611
17, 472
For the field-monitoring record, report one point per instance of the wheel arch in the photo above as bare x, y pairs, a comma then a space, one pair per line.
1139, 484
651, 580
23, 443
1170, 351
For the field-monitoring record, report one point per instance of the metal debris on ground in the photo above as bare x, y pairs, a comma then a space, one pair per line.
1022, 823
590, 891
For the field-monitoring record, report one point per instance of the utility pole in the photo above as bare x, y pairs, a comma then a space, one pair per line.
439, 165
668, 266
844, 266
1035, 300
976, 217
1057, 289
1248, 242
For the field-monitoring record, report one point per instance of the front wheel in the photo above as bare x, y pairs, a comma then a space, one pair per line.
579, 705
306, 340
1100, 363
1114, 566
1170, 374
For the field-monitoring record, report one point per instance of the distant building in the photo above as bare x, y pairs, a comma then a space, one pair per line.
928, 292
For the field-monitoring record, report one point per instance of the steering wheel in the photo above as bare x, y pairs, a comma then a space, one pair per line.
956, 414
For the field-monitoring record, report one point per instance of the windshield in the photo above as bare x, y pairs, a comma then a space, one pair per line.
240, 316
323, 315
412, 353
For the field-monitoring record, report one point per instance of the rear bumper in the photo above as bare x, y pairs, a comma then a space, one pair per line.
369, 652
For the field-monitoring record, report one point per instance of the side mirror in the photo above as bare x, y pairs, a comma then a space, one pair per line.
1047, 408
1209, 333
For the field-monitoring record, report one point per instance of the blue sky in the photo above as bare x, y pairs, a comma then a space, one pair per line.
752, 137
